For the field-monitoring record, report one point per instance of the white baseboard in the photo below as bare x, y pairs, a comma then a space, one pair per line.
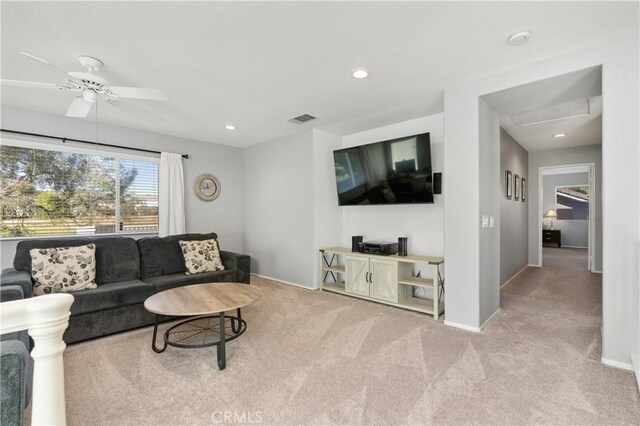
596, 272
482, 327
471, 328
636, 370
515, 275
534, 266
578, 247
284, 282
462, 326
617, 364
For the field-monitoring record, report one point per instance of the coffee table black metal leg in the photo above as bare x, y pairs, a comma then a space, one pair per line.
236, 324
155, 334
222, 356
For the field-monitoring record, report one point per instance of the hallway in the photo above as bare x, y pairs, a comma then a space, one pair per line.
565, 258
564, 287
557, 311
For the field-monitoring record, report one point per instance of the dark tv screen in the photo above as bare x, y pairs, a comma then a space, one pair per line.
396, 171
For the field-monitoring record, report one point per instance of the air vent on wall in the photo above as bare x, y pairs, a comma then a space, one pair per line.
302, 118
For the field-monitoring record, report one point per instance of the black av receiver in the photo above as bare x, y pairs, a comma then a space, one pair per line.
378, 247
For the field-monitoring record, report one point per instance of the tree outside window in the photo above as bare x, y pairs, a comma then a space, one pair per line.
47, 192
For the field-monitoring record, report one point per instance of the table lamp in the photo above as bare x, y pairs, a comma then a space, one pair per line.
551, 214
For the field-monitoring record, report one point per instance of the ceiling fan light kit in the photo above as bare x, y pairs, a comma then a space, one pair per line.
91, 85
89, 96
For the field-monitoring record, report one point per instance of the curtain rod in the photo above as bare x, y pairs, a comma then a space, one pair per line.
39, 135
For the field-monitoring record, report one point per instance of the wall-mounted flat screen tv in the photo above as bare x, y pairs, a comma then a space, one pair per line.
396, 171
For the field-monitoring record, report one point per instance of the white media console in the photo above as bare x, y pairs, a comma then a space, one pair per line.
383, 279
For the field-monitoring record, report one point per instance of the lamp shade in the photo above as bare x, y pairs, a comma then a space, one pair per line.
552, 214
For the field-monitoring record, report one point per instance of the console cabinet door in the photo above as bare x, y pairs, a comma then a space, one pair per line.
357, 271
384, 280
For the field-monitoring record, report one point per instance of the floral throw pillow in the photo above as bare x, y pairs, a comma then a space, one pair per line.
201, 256
63, 269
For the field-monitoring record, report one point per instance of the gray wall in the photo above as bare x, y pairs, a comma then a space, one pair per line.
514, 244
224, 215
490, 194
279, 208
574, 233
563, 157
327, 215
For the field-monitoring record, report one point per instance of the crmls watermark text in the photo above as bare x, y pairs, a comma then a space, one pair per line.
244, 417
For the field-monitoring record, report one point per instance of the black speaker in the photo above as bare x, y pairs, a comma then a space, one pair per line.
355, 243
437, 183
402, 246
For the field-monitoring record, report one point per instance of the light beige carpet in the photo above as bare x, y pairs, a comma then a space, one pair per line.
320, 358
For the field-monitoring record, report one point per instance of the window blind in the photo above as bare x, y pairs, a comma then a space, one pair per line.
45, 193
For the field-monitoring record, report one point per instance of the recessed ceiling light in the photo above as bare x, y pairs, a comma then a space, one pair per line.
518, 38
559, 135
230, 127
360, 73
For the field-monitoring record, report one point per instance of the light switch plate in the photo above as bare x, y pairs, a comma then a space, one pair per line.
485, 221
492, 222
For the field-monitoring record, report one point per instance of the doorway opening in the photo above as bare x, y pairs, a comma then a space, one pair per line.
567, 215
546, 189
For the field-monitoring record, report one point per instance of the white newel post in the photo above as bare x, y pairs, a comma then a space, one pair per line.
45, 318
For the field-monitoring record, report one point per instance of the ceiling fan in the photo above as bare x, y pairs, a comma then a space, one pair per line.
90, 86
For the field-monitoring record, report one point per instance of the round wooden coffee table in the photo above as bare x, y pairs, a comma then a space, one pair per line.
205, 305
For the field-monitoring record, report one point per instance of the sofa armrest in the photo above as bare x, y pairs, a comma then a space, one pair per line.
11, 277
16, 370
239, 263
11, 292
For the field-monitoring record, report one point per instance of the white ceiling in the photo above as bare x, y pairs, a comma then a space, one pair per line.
546, 97
257, 64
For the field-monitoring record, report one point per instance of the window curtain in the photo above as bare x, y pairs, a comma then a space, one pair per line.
171, 216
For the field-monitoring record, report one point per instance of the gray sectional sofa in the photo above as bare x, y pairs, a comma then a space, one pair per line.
16, 368
128, 271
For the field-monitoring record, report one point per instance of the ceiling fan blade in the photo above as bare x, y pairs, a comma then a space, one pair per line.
79, 108
134, 110
35, 84
50, 66
137, 93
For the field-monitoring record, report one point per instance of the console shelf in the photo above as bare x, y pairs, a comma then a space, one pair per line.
382, 279
336, 287
416, 281
339, 269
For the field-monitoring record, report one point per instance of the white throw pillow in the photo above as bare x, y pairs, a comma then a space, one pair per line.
201, 256
63, 269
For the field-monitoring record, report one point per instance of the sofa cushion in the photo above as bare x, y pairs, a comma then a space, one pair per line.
163, 256
109, 296
166, 282
201, 256
117, 258
63, 269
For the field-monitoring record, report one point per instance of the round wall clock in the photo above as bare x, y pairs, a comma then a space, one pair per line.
207, 187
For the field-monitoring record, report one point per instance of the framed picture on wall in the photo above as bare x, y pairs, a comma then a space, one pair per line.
516, 187
524, 189
508, 177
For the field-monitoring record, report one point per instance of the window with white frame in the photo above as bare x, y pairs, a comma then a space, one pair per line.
572, 202
46, 192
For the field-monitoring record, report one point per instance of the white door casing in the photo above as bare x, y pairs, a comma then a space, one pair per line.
592, 210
